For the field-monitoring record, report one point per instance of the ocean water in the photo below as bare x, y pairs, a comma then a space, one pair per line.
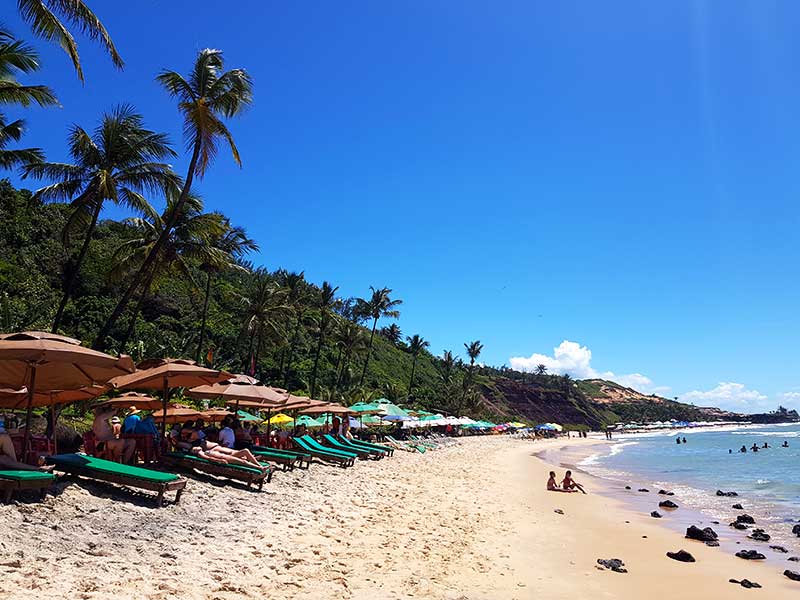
768, 482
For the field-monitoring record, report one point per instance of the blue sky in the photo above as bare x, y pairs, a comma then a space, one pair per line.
621, 176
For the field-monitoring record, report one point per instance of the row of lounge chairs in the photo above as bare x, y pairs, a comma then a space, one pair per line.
337, 450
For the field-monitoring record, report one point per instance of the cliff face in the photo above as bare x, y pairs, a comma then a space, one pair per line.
540, 404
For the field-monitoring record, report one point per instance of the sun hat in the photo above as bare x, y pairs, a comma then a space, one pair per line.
115, 420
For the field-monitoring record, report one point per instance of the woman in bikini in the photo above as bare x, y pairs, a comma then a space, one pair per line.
221, 454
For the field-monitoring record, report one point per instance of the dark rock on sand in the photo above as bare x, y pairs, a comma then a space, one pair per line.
738, 506
745, 518
780, 549
681, 555
739, 526
667, 504
701, 535
759, 535
643, 490
794, 558
666, 493
627, 487
712, 543
715, 522
793, 575
558, 511
655, 514
746, 583
796, 530
750, 555
730, 494
613, 564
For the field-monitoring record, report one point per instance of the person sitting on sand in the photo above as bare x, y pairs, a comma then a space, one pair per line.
221, 454
552, 486
569, 484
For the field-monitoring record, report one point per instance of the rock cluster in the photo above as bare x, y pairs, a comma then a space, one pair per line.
613, 564
746, 583
655, 514
759, 535
793, 575
750, 555
730, 494
667, 504
707, 535
681, 556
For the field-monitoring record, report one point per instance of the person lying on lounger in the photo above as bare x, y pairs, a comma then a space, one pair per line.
221, 454
569, 484
8, 456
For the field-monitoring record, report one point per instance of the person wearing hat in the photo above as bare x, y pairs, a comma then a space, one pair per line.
132, 420
107, 429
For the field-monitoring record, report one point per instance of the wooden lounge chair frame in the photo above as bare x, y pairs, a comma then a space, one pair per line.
160, 487
9, 486
219, 469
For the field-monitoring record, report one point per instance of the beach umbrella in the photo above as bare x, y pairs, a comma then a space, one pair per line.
392, 412
279, 419
246, 416
140, 401
166, 373
177, 414
308, 421
327, 408
213, 415
365, 408
44, 363
240, 394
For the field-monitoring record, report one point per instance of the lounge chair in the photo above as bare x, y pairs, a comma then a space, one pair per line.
408, 446
310, 445
362, 444
12, 480
113, 472
289, 460
190, 462
332, 442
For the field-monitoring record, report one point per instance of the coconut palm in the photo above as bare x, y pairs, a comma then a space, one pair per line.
298, 293
447, 367
473, 351
392, 333
45, 18
379, 305
233, 244
416, 344
351, 340
265, 309
541, 370
325, 302
18, 58
118, 162
208, 95
190, 242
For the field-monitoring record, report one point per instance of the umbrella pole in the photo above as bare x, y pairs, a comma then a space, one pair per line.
55, 410
164, 395
269, 437
26, 442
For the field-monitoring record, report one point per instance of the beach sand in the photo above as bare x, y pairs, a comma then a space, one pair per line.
468, 522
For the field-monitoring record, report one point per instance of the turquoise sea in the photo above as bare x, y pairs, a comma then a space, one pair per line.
768, 481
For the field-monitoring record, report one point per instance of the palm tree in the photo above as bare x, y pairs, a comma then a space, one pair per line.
44, 17
379, 305
118, 162
297, 292
351, 340
208, 95
233, 244
473, 351
541, 370
392, 333
265, 308
447, 367
325, 301
416, 344
190, 242
566, 381
18, 58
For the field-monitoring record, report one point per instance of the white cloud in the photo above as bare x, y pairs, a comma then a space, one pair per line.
732, 396
573, 359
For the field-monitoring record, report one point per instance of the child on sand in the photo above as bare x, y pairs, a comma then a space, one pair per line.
569, 484
552, 486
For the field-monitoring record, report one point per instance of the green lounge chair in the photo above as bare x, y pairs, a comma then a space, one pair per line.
286, 458
348, 447
362, 444
12, 480
418, 447
310, 445
190, 462
113, 472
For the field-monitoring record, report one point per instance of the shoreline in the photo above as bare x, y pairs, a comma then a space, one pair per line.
467, 522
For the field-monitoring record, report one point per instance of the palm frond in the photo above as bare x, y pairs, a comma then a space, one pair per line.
12, 92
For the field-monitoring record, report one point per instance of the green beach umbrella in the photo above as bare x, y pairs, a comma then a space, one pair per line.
246, 416
308, 421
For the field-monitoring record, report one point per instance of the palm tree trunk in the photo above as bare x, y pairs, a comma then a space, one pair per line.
369, 351
316, 356
246, 361
413, 368
291, 350
258, 353
100, 341
467, 384
340, 376
73, 276
203, 321
135, 315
